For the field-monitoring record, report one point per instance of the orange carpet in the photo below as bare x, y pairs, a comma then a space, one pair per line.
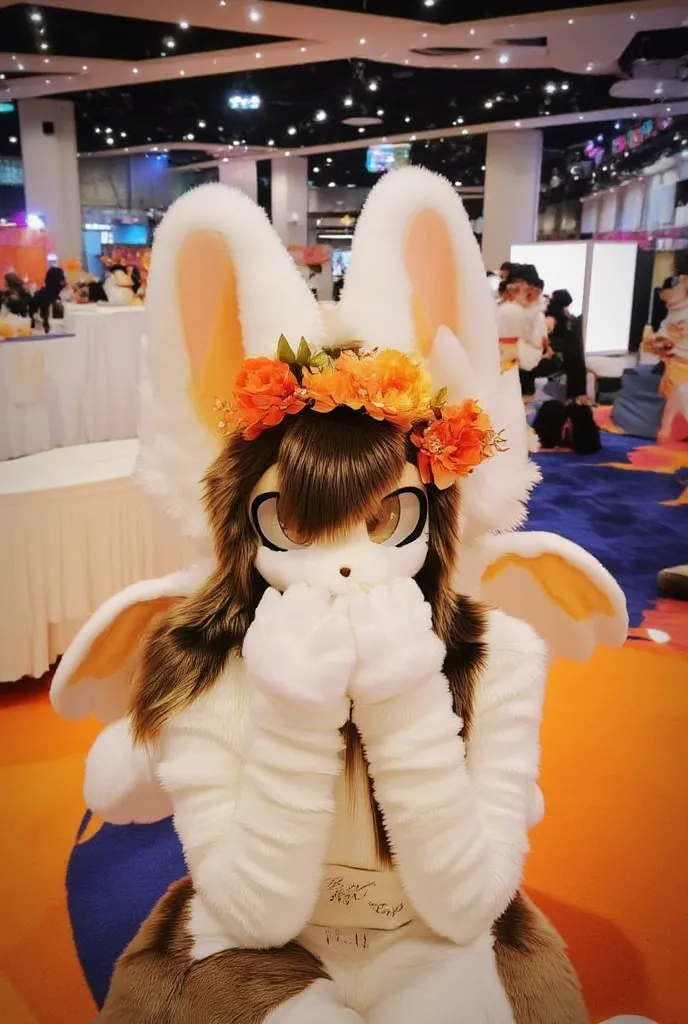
607, 865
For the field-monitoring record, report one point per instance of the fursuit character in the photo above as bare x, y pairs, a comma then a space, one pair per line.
345, 732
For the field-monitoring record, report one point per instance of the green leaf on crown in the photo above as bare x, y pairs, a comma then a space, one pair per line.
303, 355
285, 352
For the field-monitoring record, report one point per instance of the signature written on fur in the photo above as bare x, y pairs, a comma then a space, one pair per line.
348, 893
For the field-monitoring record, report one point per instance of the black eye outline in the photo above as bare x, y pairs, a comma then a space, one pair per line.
255, 508
415, 533
422, 514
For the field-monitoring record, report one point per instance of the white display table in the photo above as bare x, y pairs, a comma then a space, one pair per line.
75, 388
74, 529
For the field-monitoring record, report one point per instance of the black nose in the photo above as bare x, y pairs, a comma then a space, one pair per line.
345, 571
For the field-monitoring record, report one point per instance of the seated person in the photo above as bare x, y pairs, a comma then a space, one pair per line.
564, 353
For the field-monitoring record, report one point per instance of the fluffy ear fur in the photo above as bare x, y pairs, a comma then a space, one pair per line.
416, 282
221, 287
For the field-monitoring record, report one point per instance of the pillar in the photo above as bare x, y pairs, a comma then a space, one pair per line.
241, 174
51, 171
290, 199
512, 192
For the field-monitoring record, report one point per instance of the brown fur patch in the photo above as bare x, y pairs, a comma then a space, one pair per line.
156, 982
535, 970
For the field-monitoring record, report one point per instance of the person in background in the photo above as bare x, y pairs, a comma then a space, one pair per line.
16, 298
47, 301
505, 270
315, 279
337, 289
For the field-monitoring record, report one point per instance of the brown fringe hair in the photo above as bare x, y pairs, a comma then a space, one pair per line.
333, 471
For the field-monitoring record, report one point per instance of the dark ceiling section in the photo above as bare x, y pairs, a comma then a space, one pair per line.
306, 106
669, 44
442, 12
28, 29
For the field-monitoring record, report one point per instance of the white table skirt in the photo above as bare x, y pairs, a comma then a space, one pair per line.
65, 391
74, 530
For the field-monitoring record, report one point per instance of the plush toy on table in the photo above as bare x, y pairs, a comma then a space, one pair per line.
344, 729
670, 343
119, 287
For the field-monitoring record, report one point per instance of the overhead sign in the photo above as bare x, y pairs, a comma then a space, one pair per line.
382, 158
6, 108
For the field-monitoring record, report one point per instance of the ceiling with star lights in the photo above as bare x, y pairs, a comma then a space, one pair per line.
222, 78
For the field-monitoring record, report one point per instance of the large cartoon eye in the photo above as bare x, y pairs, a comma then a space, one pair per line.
400, 519
274, 535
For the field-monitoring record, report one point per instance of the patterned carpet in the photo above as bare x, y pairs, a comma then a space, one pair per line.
607, 863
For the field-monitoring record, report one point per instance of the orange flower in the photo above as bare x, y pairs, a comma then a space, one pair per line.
340, 385
265, 391
397, 388
451, 447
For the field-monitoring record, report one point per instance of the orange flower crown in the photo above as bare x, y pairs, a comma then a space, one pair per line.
387, 385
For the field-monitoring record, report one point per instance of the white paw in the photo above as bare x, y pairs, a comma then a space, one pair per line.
299, 649
396, 645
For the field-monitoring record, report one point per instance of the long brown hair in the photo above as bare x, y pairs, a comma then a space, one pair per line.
333, 470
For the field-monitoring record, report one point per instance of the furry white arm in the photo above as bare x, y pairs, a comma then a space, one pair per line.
457, 818
254, 828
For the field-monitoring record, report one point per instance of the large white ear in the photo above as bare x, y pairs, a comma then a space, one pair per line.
415, 267
221, 288
417, 282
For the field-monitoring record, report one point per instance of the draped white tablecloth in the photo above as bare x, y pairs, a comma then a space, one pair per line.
74, 530
61, 391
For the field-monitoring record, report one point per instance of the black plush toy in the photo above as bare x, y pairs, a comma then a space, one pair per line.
567, 426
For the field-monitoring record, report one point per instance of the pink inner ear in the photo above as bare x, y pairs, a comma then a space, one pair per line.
205, 274
431, 266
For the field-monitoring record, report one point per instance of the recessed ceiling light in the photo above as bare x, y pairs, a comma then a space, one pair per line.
271, 142
225, 159
44, 46
291, 130
424, 35
190, 137
476, 56
36, 16
373, 86
407, 119
13, 139
84, 67
302, 49
429, 3
412, 138
565, 86
504, 58
108, 131
134, 71
489, 104
472, 32
482, 168
328, 160
258, 54
457, 184
320, 115
182, 72
20, 67
589, 67
465, 131
332, 184
550, 88
361, 130
46, 60
122, 135
632, 17
110, 141
570, 21
183, 24
348, 101
97, 131
255, 14
288, 153
380, 112
316, 170
201, 124
517, 124
222, 3
361, 41
170, 43
47, 81
581, 117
